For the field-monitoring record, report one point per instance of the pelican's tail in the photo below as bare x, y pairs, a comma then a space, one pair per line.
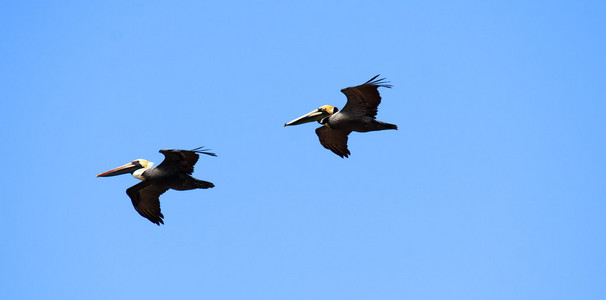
201, 184
391, 126
378, 125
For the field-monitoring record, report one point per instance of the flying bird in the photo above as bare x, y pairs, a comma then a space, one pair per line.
173, 173
358, 114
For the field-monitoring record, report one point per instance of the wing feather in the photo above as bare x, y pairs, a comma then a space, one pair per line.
181, 160
364, 99
334, 140
146, 200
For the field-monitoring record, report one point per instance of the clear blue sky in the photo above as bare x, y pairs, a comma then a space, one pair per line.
492, 188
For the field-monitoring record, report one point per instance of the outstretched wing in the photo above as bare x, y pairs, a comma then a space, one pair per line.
334, 140
146, 200
364, 99
181, 160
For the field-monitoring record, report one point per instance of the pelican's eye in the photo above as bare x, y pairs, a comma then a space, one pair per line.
335, 110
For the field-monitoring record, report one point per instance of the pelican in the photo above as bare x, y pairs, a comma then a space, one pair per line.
173, 173
358, 114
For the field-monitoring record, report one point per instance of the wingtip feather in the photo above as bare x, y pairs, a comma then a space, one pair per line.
201, 150
379, 82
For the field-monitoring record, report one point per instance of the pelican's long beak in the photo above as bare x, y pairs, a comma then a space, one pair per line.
127, 168
315, 115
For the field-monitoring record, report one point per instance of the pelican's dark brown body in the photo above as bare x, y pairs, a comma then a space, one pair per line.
358, 115
173, 173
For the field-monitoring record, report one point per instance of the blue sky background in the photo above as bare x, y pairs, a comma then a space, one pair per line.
492, 188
